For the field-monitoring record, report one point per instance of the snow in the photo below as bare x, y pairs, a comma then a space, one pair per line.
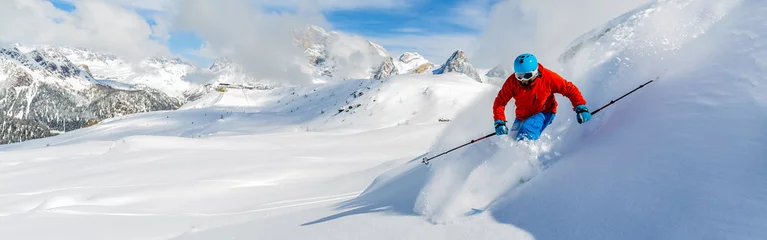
352, 57
118, 85
409, 62
682, 158
166, 75
16, 62
178, 173
675, 160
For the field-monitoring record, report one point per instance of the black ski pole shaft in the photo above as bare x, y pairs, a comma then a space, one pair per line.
426, 160
613, 101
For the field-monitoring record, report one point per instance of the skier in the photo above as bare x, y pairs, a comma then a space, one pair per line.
533, 87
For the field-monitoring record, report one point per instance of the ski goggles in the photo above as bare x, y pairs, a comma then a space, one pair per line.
527, 76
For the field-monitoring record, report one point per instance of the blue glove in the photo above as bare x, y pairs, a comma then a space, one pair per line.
500, 127
582, 113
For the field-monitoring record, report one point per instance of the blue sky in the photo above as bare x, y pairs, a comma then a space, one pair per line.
421, 19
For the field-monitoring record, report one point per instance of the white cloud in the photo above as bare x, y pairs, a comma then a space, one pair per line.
535, 26
339, 4
171, 5
472, 14
353, 55
154, 5
248, 33
240, 30
95, 24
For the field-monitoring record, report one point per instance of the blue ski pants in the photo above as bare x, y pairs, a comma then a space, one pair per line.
532, 127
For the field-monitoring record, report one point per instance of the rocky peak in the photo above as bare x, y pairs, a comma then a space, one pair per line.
12, 53
313, 40
386, 69
86, 68
459, 62
423, 68
58, 65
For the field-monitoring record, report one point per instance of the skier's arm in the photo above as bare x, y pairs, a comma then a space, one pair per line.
567, 89
503, 98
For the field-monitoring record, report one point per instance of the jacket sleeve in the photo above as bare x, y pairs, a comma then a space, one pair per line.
567, 89
503, 98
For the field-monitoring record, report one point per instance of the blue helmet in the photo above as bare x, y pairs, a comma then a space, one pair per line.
525, 63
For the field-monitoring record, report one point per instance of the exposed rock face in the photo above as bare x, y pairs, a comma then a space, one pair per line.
165, 74
42, 94
386, 69
459, 62
423, 68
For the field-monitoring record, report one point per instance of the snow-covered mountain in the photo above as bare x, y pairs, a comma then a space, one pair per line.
76, 80
23, 69
682, 158
44, 88
412, 62
336, 55
498, 74
330, 56
459, 62
407, 63
164, 74
387, 69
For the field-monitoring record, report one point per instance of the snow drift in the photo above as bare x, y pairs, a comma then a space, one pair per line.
678, 159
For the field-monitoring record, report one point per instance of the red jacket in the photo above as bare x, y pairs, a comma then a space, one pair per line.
537, 97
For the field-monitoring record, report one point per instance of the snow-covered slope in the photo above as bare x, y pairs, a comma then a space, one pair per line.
278, 151
678, 159
682, 158
356, 105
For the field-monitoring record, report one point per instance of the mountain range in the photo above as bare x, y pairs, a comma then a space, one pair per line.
45, 90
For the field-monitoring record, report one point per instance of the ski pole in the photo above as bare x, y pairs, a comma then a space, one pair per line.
426, 160
613, 101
